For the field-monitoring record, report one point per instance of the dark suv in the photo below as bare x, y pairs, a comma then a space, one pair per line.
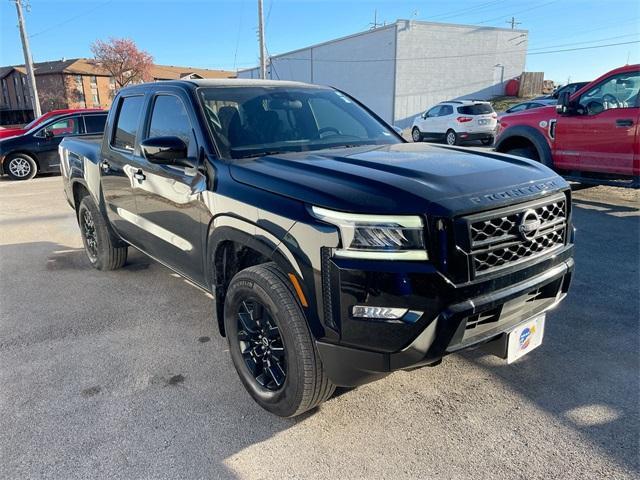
336, 252
36, 151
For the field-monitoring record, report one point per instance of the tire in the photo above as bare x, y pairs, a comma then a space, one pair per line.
526, 152
451, 137
20, 166
97, 240
416, 136
487, 141
283, 373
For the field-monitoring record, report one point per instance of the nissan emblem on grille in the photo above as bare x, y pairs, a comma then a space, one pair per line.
529, 224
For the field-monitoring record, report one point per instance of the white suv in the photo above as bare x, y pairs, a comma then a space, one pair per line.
457, 121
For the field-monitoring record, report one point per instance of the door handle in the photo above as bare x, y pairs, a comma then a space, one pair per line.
139, 176
105, 166
626, 122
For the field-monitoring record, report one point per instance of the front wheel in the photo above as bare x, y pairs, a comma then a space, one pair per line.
270, 343
416, 136
20, 166
526, 152
451, 137
96, 238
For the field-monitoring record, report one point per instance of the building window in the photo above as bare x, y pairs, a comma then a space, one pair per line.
112, 83
24, 80
80, 90
94, 81
96, 100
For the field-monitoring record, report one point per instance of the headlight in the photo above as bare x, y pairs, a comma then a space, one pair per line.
389, 237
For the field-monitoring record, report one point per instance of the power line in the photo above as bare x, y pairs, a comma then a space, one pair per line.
235, 55
517, 13
461, 12
71, 19
586, 41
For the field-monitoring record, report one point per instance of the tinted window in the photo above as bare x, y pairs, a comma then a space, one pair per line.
476, 109
62, 128
250, 121
619, 91
445, 110
126, 125
330, 118
169, 119
94, 123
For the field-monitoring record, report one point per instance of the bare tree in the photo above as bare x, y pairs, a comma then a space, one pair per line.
122, 59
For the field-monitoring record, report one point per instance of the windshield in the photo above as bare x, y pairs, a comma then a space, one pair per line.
476, 109
256, 120
32, 123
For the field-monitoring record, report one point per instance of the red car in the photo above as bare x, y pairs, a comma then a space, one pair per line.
591, 135
13, 132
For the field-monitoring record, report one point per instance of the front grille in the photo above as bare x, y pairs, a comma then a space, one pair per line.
497, 239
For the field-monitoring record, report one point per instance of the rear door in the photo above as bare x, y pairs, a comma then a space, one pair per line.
119, 164
604, 137
50, 137
169, 203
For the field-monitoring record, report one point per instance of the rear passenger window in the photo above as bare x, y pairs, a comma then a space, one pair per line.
445, 110
126, 125
169, 119
94, 123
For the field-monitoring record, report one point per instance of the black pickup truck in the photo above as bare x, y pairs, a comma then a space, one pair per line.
336, 252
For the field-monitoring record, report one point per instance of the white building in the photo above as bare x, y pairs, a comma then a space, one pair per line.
401, 69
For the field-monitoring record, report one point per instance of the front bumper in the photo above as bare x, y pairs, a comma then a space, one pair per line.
453, 317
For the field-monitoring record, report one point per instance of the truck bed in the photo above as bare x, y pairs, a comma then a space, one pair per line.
87, 146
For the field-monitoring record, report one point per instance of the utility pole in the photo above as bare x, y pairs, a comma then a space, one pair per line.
375, 23
263, 60
35, 102
513, 23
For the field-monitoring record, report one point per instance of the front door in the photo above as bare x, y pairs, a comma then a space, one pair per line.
602, 135
49, 139
429, 124
169, 201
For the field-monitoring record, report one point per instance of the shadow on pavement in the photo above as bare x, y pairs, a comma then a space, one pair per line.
586, 372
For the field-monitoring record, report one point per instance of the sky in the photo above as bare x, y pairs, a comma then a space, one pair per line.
223, 34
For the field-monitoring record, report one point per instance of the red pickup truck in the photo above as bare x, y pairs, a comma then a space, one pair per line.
592, 135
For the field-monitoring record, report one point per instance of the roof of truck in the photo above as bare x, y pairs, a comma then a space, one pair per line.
247, 82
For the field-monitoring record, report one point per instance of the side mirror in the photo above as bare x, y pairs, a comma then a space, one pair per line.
166, 151
48, 134
398, 130
564, 103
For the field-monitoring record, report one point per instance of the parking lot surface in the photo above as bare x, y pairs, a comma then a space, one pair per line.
123, 374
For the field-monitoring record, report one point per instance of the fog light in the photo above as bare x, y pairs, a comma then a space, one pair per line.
362, 311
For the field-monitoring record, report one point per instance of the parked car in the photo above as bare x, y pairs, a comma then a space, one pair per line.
552, 99
521, 107
336, 252
591, 135
36, 151
13, 132
455, 122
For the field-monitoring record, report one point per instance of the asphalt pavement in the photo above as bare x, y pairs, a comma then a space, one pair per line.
123, 374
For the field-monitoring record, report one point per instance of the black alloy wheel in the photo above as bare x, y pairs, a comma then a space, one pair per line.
261, 345
89, 233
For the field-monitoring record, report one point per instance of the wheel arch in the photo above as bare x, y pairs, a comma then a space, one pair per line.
525, 137
230, 248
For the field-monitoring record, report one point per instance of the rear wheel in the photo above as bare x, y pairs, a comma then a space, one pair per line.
96, 238
416, 136
270, 343
20, 166
451, 137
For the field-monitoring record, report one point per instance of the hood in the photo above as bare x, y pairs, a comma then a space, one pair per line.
400, 178
11, 132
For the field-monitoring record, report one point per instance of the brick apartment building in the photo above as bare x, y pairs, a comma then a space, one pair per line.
73, 83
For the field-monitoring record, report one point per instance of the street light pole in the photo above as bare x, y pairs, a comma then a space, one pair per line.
35, 102
263, 62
